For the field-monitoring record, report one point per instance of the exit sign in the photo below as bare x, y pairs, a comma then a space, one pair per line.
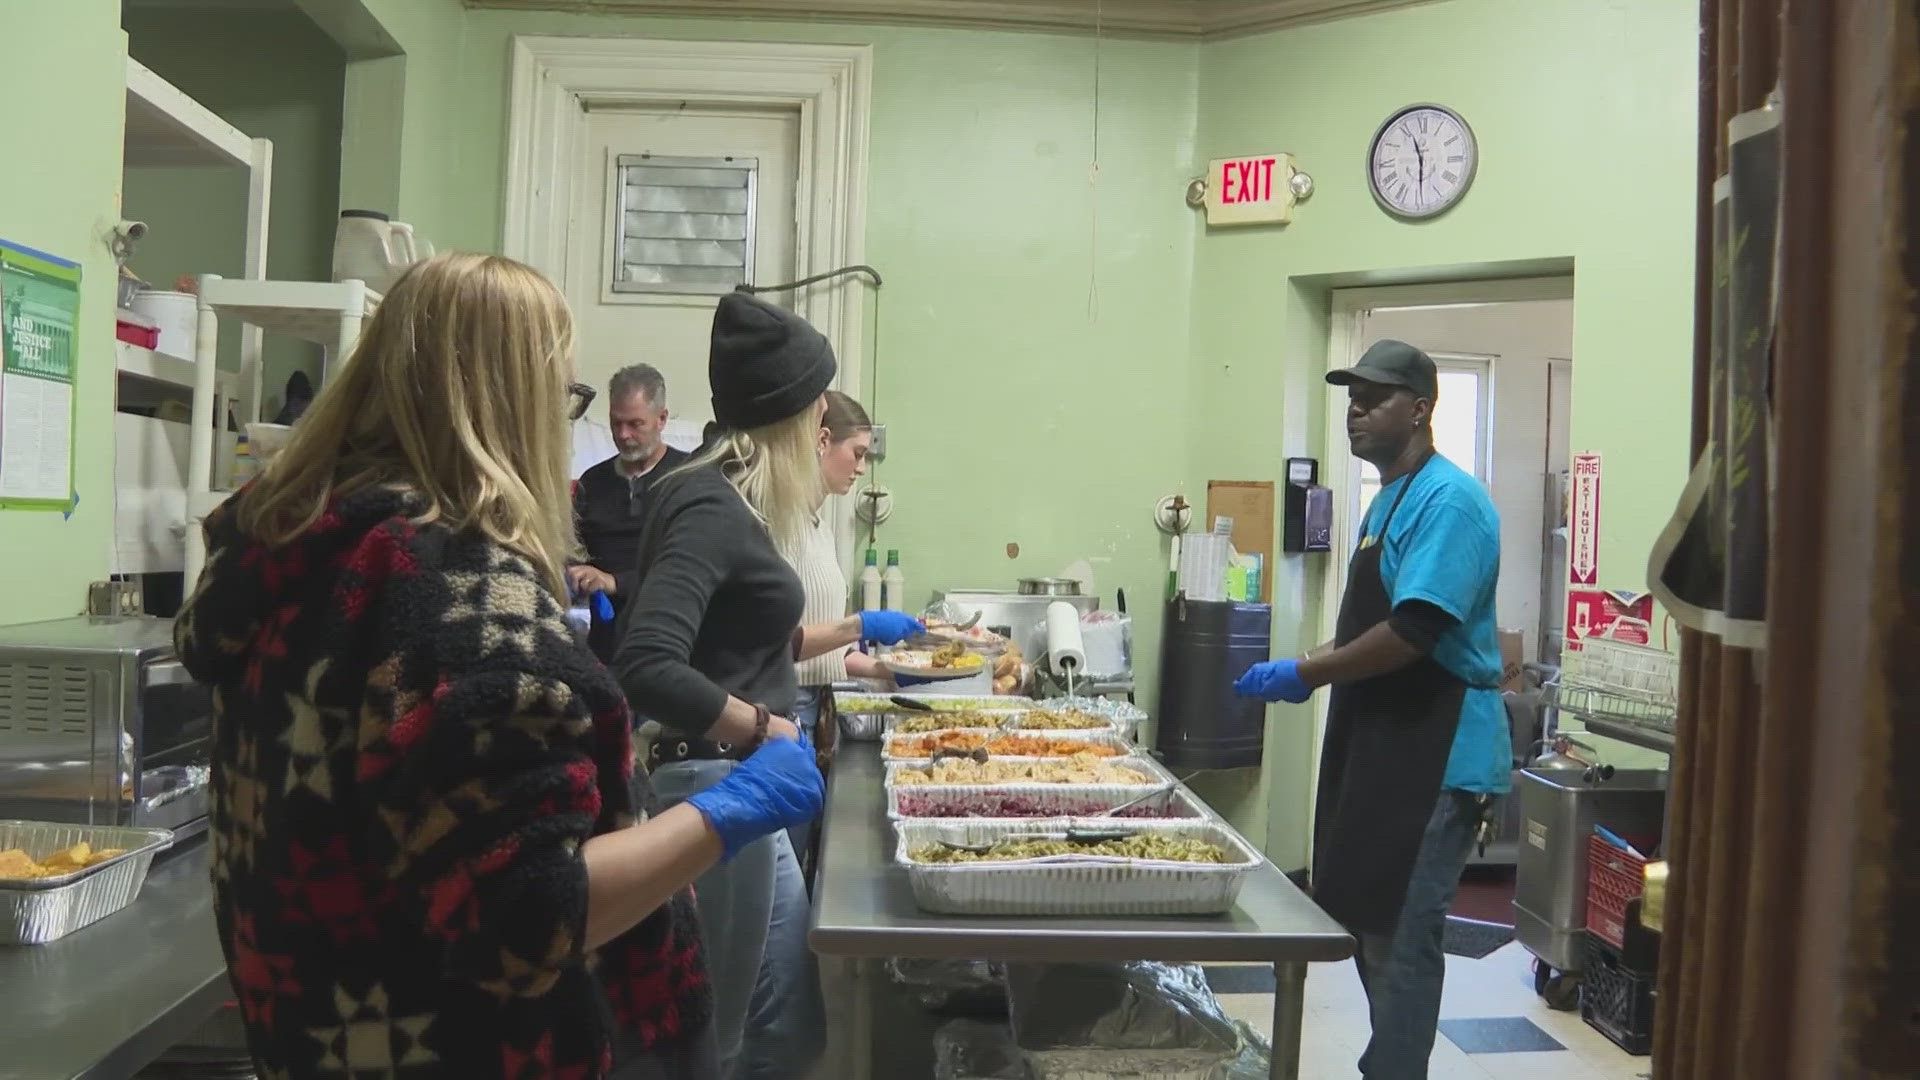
1254, 190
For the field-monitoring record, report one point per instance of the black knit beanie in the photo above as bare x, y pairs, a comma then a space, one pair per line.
765, 363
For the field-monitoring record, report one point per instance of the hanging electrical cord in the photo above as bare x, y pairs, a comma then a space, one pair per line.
873, 352
1093, 176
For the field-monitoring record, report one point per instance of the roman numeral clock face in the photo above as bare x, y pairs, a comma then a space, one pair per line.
1422, 161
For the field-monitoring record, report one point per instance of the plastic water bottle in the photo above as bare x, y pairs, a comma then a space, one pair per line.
870, 583
893, 584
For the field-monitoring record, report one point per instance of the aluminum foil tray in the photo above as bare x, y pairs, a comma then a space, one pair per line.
1091, 736
47, 909
917, 802
1072, 886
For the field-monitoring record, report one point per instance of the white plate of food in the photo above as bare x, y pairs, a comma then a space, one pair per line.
952, 661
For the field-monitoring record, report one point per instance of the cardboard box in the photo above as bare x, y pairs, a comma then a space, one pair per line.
1513, 651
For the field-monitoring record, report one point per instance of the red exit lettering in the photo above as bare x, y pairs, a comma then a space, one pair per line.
1246, 181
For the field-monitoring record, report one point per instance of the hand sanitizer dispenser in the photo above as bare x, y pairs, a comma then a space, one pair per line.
1307, 518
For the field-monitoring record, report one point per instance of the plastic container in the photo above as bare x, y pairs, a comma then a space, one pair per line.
136, 329
267, 440
1615, 878
1614, 1000
47, 909
177, 314
893, 584
870, 583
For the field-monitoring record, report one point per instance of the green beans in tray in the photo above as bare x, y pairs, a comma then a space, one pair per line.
1147, 846
942, 721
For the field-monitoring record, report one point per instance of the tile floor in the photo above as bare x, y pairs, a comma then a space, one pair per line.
1499, 985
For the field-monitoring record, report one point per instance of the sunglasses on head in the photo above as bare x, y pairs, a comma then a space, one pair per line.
579, 396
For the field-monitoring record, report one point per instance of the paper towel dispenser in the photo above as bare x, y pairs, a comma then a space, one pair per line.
1307, 517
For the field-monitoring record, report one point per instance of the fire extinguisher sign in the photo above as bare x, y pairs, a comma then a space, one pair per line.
1583, 521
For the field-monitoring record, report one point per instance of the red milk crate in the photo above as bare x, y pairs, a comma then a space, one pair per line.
1614, 877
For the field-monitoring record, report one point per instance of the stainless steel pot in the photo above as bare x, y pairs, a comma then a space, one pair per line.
1049, 586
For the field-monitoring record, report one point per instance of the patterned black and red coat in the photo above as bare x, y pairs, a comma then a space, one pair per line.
409, 751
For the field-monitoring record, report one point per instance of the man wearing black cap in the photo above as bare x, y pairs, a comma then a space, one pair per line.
1417, 751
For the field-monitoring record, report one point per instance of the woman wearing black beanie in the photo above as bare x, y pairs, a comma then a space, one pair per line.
707, 651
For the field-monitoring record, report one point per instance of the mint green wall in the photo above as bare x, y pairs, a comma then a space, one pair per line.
1585, 117
274, 76
63, 85
1016, 415
1203, 358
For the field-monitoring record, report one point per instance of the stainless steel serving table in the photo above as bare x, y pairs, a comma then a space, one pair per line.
863, 913
103, 1002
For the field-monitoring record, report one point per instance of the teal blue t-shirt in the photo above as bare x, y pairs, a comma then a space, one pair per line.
1443, 547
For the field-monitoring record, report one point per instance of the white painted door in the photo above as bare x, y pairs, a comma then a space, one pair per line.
676, 214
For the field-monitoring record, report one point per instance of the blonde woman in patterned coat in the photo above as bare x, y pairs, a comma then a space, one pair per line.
426, 862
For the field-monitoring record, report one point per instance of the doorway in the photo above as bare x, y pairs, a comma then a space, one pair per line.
673, 207
1504, 350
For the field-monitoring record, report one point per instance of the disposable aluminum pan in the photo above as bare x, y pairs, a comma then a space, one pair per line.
1093, 738
47, 909
1125, 715
1147, 767
1072, 885
865, 716
914, 802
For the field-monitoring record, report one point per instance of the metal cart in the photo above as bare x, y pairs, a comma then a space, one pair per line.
1620, 690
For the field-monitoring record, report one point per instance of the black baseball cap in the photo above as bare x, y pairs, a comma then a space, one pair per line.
1392, 363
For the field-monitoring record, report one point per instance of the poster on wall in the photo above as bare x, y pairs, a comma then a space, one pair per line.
1583, 521
1615, 614
39, 320
1709, 565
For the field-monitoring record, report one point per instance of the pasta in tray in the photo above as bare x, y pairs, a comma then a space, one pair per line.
1058, 720
997, 745
1081, 769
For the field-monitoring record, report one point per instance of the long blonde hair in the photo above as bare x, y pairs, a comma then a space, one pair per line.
776, 469
457, 391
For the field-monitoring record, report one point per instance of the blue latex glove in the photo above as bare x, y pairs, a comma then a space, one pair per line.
889, 627
602, 607
1275, 680
777, 788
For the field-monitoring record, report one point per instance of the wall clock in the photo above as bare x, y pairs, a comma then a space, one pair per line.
1421, 161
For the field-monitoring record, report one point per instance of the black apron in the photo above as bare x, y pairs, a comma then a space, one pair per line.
1383, 761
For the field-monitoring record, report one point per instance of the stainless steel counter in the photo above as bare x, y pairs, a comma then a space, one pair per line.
863, 911
105, 1001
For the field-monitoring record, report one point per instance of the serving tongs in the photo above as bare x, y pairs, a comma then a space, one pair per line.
1159, 792
1075, 835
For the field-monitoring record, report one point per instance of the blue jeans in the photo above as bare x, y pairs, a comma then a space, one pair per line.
806, 716
787, 1019
1403, 971
735, 900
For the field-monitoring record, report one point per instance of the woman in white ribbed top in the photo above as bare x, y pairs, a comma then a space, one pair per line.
846, 435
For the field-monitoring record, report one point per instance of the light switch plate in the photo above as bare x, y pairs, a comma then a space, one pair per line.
878, 450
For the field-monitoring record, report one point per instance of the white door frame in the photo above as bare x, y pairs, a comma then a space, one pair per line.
1350, 308
554, 79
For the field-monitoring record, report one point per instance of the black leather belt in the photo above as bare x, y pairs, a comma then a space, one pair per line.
671, 748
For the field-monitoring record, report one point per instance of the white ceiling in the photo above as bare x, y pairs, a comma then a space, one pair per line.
1193, 19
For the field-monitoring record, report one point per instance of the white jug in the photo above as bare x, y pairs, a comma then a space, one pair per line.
410, 248
363, 249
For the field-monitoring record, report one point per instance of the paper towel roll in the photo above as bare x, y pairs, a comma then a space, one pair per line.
1064, 646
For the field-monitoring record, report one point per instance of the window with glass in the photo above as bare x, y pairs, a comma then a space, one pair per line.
1462, 424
